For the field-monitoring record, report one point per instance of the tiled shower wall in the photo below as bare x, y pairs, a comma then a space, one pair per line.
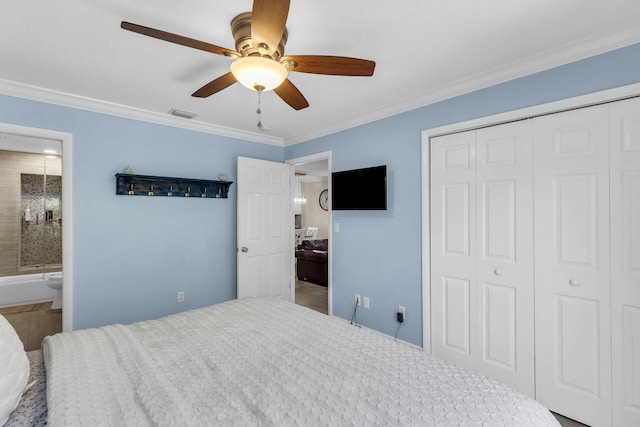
41, 235
12, 166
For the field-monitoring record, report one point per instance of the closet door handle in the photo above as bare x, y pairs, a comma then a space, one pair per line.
497, 272
574, 282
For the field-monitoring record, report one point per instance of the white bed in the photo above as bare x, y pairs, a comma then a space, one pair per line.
264, 361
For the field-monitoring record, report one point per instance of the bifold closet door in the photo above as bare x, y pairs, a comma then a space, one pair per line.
625, 261
572, 273
504, 176
453, 248
482, 252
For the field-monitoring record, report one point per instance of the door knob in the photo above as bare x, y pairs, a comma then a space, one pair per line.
497, 272
244, 249
574, 282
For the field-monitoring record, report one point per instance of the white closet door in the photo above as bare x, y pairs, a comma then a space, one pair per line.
453, 248
625, 261
573, 345
504, 173
482, 252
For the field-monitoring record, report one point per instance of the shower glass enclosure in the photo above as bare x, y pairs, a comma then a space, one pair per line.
31, 207
41, 221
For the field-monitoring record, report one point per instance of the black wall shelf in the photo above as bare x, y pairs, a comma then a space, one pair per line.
148, 185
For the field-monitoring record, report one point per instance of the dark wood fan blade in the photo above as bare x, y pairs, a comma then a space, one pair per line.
332, 65
175, 38
291, 95
268, 20
215, 86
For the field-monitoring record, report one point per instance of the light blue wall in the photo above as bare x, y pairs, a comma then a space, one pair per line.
378, 254
133, 254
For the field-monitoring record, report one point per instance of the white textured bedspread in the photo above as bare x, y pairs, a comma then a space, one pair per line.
264, 361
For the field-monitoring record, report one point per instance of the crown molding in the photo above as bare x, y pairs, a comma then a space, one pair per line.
556, 57
560, 55
35, 93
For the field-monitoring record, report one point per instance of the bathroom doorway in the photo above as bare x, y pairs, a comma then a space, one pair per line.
34, 238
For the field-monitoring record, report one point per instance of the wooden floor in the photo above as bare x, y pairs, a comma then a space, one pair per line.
312, 296
568, 422
33, 322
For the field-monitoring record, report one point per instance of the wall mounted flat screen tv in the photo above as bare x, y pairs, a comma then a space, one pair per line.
359, 189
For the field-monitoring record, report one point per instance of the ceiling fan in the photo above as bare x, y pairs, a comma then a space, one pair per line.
258, 61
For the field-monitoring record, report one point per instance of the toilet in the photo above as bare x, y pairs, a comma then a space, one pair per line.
54, 281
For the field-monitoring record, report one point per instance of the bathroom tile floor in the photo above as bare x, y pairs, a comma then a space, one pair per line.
33, 325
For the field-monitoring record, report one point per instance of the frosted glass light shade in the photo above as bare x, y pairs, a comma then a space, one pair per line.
252, 71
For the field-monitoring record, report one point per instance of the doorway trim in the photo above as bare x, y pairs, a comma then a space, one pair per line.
325, 155
580, 101
66, 140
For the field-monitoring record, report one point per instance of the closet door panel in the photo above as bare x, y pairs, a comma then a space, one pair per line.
455, 219
456, 326
630, 224
498, 220
499, 326
505, 254
628, 386
573, 330
577, 347
453, 243
575, 220
625, 260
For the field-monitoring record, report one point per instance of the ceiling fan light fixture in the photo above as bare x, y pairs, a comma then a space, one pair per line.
256, 71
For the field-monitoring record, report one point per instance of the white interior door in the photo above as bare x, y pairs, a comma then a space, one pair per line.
482, 252
573, 347
504, 173
625, 261
265, 228
453, 248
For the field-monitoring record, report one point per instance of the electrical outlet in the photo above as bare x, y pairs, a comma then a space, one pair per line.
357, 299
181, 296
403, 310
365, 302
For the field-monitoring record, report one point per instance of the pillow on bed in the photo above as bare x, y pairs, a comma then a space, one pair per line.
14, 369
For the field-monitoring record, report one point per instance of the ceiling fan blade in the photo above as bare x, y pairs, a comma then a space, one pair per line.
268, 21
291, 95
177, 39
215, 86
332, 65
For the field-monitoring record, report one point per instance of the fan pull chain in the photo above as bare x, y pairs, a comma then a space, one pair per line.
259, 111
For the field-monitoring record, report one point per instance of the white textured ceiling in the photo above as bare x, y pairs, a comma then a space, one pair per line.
425, 50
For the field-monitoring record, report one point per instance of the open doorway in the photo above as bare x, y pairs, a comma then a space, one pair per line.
36, 236
312, 219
